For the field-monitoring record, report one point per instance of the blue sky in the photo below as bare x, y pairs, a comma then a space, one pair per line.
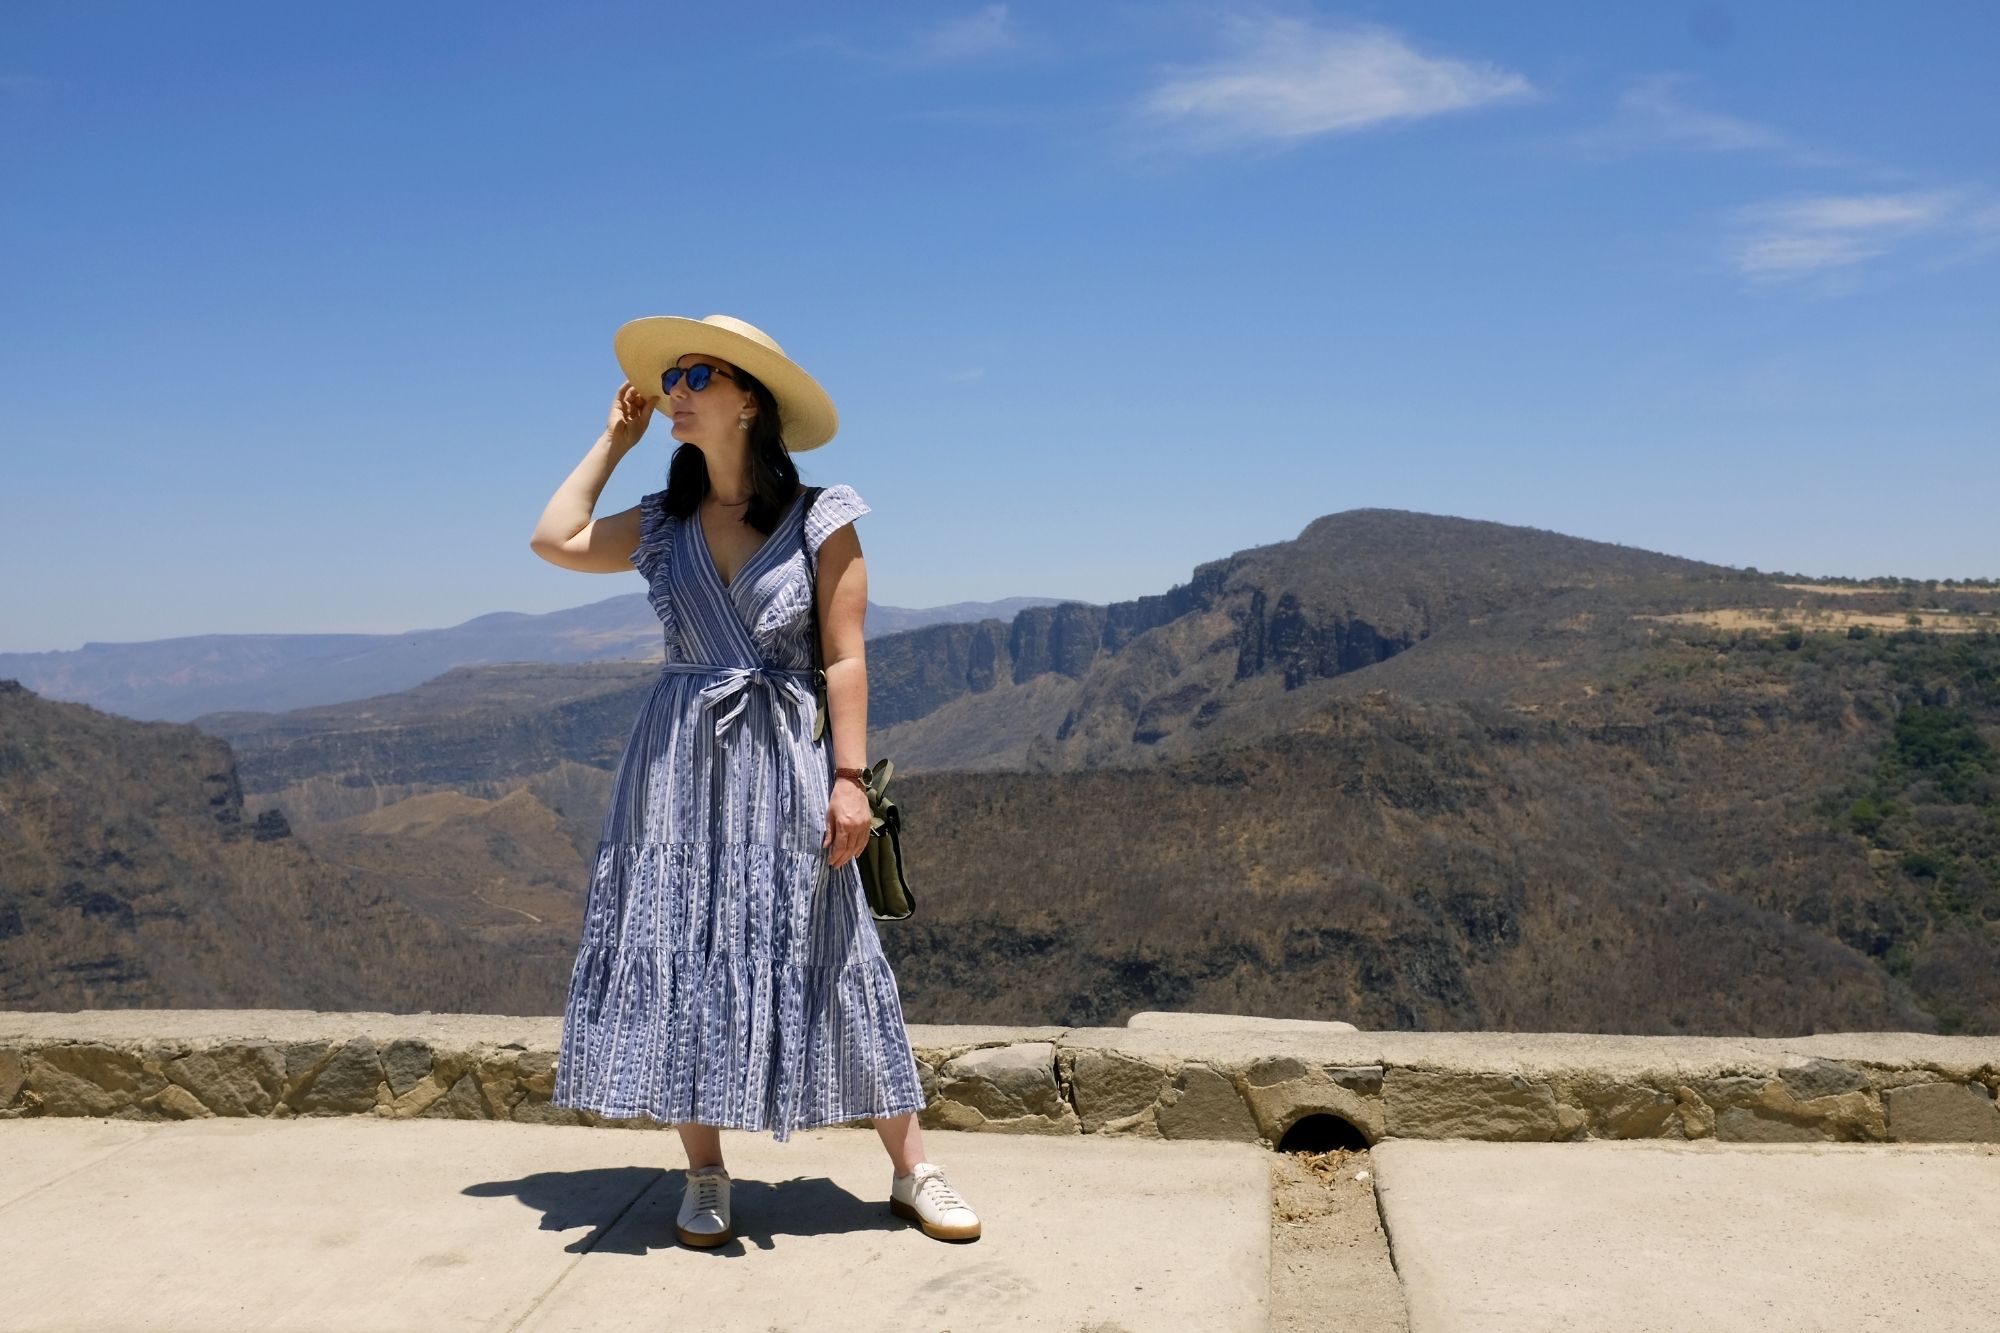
307, 310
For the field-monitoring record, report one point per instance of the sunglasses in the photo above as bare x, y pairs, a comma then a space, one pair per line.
697, 377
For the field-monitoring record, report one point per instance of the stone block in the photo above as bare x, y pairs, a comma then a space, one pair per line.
1144, 1124
927, 1079
1636, 1112
1609, 1107
1364, 1079
1697, 1116
537, 1072
1203, 1103
90, 1078
499, 1080
232, 1080
1110, 1086
1733, 1090
461, 1101
1765, 1110
1943, 1113
1754, 1124
1001, 1082
1432, 1104
1009, 1087
347, 1081
302, 1059
946, 1114
13, 1075
405, 1062
176, 1101
1283, 1090
420, 1098
1822, 1078
541, 1111
1275, 1069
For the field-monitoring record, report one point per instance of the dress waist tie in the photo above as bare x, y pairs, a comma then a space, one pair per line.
791, 693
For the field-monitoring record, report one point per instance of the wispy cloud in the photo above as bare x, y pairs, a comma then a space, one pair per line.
987, 32
969, 376
1818, 240
982, 34
1652, 115
1788, 239
1659, 113
1285, 79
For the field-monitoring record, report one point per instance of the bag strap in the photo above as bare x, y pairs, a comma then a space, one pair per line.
812, 585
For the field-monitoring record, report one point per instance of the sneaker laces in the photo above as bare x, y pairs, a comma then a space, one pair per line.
708, 1194
941, 1191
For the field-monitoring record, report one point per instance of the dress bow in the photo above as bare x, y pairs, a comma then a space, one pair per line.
793, 699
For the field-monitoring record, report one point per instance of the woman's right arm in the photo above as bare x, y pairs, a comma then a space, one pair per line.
566, 534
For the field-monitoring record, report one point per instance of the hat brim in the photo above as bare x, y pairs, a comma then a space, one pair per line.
646, 347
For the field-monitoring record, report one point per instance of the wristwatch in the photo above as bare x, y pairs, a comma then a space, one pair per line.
855, 773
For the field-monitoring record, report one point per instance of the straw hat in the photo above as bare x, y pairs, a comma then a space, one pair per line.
646, 347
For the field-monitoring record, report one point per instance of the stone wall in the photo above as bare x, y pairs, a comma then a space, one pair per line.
1170, 1076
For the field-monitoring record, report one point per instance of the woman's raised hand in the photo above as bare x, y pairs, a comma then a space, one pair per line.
631, 413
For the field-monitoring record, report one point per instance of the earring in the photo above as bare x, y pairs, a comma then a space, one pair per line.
744, 422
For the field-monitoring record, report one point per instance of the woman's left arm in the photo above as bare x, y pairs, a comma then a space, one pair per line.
843, 604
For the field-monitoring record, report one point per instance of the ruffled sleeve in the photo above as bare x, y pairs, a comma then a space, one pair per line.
833, 508
652, 547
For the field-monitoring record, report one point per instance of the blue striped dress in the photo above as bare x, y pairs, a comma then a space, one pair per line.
726, 976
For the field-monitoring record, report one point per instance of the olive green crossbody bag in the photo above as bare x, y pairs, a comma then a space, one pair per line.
881, 861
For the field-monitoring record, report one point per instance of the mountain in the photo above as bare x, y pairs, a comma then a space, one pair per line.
1408, 770
132, 877
478, 730
1140, 679
1057, 687
179, 679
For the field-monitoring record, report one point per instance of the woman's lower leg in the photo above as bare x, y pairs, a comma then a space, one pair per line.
703, 1144
904, 1140
900, 1135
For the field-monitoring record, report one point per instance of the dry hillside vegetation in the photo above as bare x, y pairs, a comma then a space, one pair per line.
1405, 770
1823, 620
132, 877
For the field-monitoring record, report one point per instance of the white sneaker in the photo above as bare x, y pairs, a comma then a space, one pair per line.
926, 1198
704, 1216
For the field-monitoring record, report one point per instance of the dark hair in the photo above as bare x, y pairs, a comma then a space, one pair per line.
774, 478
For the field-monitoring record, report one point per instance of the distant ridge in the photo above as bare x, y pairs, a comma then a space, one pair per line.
179, 679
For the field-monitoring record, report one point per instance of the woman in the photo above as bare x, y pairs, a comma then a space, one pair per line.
730, 972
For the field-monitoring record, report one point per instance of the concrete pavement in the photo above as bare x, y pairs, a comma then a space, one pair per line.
358, 1223
368, 1223
1657, 1237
